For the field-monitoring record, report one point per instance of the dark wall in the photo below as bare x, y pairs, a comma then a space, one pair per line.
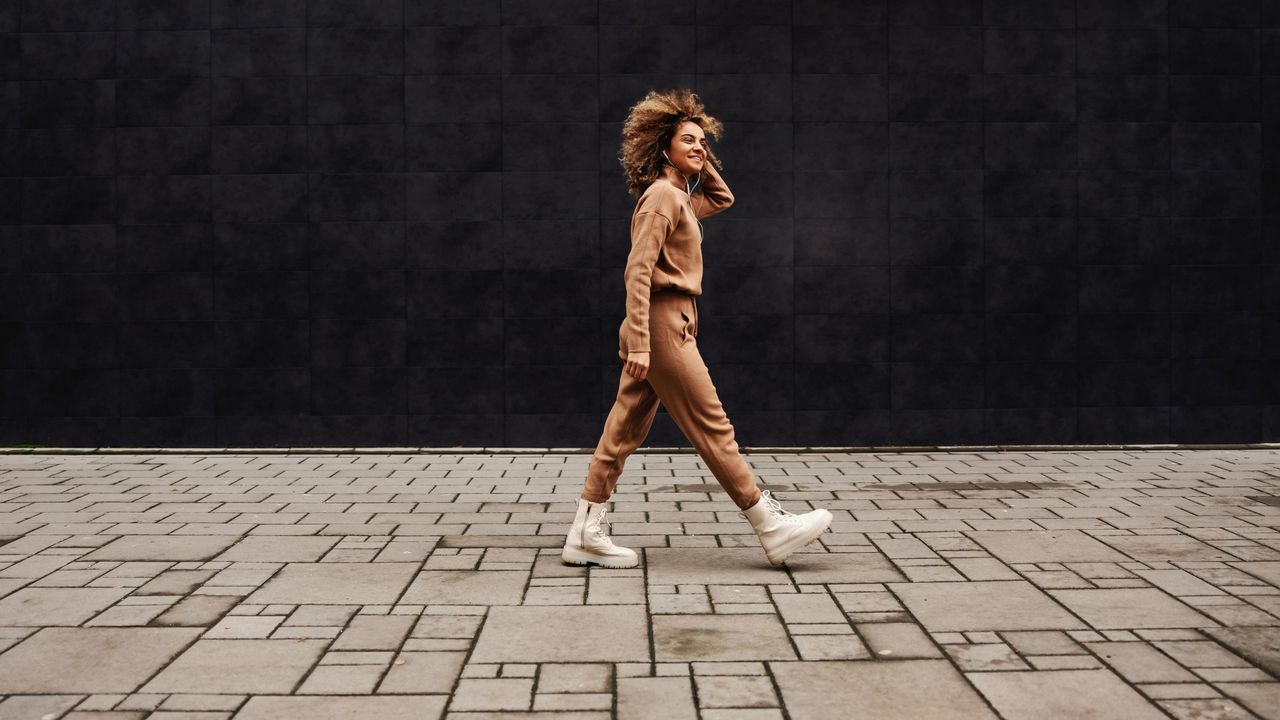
401, 222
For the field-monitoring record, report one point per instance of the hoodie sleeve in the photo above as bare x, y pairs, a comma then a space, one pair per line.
714, 197
650, 227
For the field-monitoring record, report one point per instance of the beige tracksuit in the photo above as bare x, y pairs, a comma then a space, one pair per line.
663, 279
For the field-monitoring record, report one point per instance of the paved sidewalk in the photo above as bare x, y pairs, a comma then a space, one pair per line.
1066, 584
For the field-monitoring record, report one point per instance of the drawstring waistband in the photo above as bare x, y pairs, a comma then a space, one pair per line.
672, 290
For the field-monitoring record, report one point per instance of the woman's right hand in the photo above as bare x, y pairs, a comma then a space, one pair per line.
637, 365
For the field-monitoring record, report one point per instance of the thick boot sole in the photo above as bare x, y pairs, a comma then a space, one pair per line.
780, 555
574, 556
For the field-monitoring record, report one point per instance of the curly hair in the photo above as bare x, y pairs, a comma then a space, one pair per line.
650, 125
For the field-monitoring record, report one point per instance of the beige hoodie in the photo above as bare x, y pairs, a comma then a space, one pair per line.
666, 244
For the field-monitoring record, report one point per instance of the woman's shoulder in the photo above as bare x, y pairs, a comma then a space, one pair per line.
659, 197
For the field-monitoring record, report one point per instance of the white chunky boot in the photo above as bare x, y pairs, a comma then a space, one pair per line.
588, 540
782, 533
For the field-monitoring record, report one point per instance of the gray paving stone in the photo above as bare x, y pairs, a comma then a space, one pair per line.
1032, 695
1178, 582
857, 567
898, 640
538, 634
1262, 698
1064, 662
112, 715
241, 627
1200, 654
424, 672
374, 632
197, 610
710, 566
487, 694
573, 701
447, 626
574, 678
683, 638
839, 690
244, 575
1141, 663
736, 594
728, 668
24, 707
742, 714
682, 603
279, 549
615, 590
322, 615
1121, 608
877, 603
400, 707
830, 647
985, 657
983, 569
533, 715
656, 698
336, 584
1268, 571
89, 660
202, 703
501, 541
43, 607
1046, 546
8, 586
808, 608
1214, 708
466, 587
238, 666
163, 547
726, 691
1051, 642
35, 567
341, 680
994, 605
1165, 548
175, 582
1260, 645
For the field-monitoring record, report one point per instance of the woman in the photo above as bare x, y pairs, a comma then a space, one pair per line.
666, 156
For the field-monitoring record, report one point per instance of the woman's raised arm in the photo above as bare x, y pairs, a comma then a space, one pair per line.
714, 197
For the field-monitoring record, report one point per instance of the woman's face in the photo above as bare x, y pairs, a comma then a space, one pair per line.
688, 148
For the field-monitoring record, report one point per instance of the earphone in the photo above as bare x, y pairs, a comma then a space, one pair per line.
688, 188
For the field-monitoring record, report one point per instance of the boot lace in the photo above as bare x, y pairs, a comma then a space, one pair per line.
775, 508
600, 525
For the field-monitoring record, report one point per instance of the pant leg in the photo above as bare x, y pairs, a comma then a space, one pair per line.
681, 379
625, 428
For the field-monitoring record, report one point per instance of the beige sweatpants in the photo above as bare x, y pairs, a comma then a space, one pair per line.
679, 379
